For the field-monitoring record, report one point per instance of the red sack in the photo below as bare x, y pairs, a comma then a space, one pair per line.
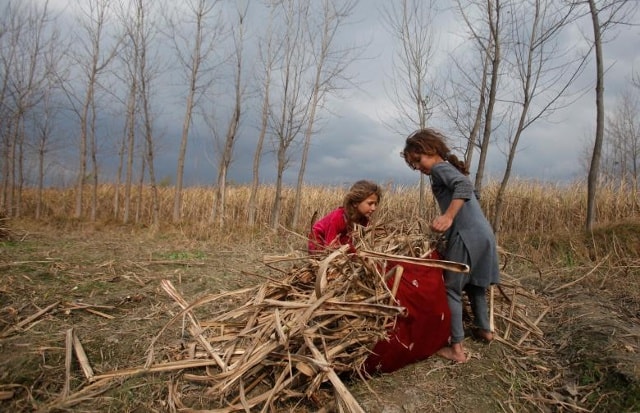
426, 328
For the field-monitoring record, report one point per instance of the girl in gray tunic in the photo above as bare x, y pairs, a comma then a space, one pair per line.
469, 236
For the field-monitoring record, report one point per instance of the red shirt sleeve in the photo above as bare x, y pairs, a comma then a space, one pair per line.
331, 230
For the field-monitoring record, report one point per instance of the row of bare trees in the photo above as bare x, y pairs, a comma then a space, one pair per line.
114, 63
620, 157
99, 88
514, 69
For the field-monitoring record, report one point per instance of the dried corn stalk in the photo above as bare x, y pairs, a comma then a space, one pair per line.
317, 323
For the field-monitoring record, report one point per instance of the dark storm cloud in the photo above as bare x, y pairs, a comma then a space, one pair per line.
353, 142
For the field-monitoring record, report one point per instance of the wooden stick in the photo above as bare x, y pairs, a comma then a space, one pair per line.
29, 319
569, 284
427, 262
273, 259
396, 283
196, 330
171, 366
526, 333
82, 358
522, 326
101, 314
68, 354
86, 393
341, 390
321, 277
507, 330
492, 325
74, 305
532, 325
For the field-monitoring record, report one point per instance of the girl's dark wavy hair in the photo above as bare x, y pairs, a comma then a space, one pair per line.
429, 141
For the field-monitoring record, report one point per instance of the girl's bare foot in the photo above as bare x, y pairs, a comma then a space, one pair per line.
484, 335
455, 352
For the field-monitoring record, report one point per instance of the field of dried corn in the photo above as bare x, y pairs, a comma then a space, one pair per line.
81, 300
528, 207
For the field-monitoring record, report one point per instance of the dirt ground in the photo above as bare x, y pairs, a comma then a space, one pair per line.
102, 286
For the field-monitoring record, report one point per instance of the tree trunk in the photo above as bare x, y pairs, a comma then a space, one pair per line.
495, 69
277, 198
94, 165
131, 134
592, 180
303, 161
255, 182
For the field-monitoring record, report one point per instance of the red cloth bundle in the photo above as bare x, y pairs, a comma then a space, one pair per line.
424, 330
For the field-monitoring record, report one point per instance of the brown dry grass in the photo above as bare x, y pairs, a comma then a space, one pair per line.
102, 281
529, 207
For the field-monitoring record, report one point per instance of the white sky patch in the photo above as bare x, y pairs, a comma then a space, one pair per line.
379, 110
334, 162
61, 5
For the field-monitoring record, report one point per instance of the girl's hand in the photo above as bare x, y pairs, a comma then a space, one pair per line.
444, 221
441, 223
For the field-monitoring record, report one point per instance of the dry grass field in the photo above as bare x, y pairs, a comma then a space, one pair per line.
99, 283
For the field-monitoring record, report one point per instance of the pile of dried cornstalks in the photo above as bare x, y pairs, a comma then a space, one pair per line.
294, 334
288, 338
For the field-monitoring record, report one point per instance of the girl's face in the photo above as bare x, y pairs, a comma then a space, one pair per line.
368, 206
423, 162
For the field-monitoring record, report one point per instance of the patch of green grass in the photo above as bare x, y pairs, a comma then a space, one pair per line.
622, 395
183, 255
24, 248
589, 373
137, 394
93, 287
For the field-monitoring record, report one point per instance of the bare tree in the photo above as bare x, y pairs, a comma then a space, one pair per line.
130, 57
268, 50
493, 46
148, 71
143, 67
43, 122
604, 15
289, 109
621, 147
463, 100
234, 120
12, 21
330, 62
473, 116
127, 150
540, 71
194, 49
470, 92
592, 179
28, 41
96, 53
411, 89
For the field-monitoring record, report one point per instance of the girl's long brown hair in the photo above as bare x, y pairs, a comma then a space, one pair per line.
358, 192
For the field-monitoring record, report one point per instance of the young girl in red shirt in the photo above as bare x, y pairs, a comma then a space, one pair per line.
334, 229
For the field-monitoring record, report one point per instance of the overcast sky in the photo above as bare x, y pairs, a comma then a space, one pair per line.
354, 142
